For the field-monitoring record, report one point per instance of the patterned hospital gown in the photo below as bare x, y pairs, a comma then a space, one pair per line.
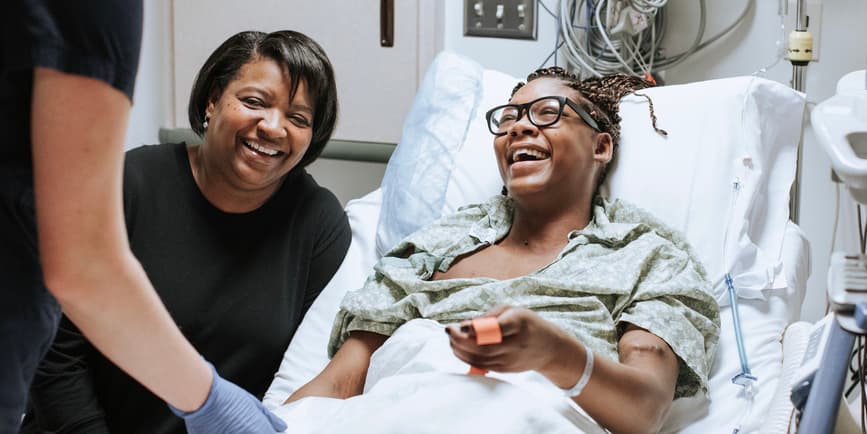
623, 267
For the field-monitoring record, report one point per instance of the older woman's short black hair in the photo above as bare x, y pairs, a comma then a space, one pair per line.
303, 60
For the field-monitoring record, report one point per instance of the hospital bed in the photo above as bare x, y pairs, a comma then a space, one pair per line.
722, 176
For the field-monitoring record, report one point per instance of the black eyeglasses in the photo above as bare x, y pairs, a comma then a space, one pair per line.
542, 112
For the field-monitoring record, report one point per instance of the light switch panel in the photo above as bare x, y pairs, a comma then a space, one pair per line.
500, 18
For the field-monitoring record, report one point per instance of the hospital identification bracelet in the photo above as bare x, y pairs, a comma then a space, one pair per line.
585, 376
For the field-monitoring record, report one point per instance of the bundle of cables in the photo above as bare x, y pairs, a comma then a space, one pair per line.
601, 37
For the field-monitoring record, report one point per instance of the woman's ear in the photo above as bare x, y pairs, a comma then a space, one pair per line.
213, 100
603, 149
209, 109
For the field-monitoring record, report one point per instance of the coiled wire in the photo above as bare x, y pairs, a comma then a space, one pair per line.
591, 50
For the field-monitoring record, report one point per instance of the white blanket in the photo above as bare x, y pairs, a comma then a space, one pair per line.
415, 384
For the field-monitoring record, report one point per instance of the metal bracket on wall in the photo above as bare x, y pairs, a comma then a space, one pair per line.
386, 23
500, 18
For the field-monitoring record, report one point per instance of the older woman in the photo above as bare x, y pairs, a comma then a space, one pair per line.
237, 238
584, 276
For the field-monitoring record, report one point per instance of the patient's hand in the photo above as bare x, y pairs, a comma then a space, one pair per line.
529, 343
643, 380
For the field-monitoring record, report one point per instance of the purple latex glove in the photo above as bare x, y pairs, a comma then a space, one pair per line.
231, 410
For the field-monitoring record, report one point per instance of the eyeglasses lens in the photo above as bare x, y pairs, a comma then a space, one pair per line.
542, 113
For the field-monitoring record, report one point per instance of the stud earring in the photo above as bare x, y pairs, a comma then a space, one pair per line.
205, 123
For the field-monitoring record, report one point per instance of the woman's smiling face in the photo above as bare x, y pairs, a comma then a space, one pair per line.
257, 131
563, 158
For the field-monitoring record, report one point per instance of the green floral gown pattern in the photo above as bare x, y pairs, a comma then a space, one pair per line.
623, 267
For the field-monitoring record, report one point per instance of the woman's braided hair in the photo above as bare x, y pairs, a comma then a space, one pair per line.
602, 99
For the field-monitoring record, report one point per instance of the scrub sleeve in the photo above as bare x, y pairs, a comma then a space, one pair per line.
100, 39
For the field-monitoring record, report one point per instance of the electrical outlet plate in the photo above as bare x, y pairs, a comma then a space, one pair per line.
500, 18
813, 10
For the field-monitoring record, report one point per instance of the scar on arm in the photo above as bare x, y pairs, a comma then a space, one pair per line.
638, 343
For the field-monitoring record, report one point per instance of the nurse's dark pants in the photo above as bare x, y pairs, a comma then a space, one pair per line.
28, 312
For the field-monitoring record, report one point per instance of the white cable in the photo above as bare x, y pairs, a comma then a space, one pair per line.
696, 44
646, 6
719, 35
571, 39
836, 217
592, 49
749, 391
604, 35
780, 44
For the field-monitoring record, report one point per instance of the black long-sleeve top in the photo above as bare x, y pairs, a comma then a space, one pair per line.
236, 284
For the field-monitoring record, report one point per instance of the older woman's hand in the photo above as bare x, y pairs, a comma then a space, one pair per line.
529, 343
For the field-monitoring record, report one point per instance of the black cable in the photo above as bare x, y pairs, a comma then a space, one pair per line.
541, 3
861, 363
853, 367
860, 228
863, 229
553, 53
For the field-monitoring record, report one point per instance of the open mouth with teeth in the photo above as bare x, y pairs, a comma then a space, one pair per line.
261, 150
525, 154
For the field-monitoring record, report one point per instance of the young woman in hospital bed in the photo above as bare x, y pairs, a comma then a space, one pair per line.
594, 298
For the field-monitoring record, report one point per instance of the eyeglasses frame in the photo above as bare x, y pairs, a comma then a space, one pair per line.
522, 108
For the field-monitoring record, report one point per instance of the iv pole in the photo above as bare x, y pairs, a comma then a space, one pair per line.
800, 54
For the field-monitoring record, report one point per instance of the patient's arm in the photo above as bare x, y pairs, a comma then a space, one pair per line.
642, 383
344, 376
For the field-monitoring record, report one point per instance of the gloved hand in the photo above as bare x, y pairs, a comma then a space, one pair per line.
230, 409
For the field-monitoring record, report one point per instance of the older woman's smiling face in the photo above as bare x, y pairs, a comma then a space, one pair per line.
562, 159
256, 133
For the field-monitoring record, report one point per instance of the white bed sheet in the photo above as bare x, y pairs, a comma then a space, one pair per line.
763, 322
416, 385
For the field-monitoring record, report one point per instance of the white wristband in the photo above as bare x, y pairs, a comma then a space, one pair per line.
585, 376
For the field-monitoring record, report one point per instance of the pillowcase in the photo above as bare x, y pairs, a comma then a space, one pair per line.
722, 176
418, 172
723, 133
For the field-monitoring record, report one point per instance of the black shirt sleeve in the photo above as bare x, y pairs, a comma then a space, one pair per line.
332, 242
62, 395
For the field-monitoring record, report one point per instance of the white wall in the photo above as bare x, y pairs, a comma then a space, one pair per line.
752, 46
517, 57
153, 91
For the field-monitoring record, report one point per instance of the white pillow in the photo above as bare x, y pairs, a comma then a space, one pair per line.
476, 176
744, 129
418, 172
